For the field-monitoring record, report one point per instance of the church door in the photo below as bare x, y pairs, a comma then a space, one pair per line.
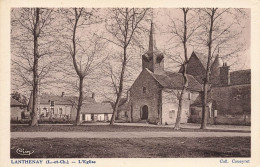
144, 112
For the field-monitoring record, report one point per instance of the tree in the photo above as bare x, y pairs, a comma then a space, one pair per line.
83, 47
32, 40
123, 26
182, 31
220, 30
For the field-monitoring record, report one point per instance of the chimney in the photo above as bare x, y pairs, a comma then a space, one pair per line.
224, 75
93, 95
62, 94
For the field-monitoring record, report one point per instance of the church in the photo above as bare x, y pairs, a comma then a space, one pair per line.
153, 97
154, 94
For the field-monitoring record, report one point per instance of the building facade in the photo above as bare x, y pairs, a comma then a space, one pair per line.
229, 96
154, 94
54, 107
17, 109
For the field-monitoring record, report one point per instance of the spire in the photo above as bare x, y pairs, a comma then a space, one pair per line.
152, 44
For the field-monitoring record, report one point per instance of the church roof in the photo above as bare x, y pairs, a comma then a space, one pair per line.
198, 102
203, 58
174, 80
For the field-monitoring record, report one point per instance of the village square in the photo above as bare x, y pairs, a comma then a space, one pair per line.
130, 83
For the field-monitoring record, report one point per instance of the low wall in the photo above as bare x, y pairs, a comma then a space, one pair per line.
227, 119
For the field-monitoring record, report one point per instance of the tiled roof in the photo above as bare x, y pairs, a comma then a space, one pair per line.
16, 103
63, 100
174, 80
198, 101
240, 77
97, 108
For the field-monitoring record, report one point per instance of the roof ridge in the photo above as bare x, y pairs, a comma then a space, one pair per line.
241, 70
171, 82
16, 101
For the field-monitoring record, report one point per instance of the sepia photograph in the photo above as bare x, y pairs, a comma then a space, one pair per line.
130, 83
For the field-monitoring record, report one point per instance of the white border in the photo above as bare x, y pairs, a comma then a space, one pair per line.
5, 7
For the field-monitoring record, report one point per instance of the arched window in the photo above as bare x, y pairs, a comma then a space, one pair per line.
144, 112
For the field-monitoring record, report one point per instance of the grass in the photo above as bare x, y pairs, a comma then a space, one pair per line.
106, 128
134, 148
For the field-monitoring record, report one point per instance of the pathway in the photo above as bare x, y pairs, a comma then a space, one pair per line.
186, 126
123, 134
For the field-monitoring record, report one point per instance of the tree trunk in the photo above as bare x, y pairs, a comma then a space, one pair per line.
204, 105
131, 113
81, 79
34, 114
120, 90
183, 91
206, 79
184, 72
115, 110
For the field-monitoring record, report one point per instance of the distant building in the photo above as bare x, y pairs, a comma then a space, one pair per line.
64, 107
95, 112
229, 99
17, 108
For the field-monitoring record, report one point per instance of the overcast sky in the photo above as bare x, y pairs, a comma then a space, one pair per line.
161, 20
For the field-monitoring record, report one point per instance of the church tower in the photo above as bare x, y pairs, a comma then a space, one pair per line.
153, 59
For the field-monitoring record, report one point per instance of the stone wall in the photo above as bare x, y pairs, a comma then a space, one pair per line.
170, 105
232, 100
233, 105
151, 98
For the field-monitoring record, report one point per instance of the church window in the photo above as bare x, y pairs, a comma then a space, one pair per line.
171, 113
144, 90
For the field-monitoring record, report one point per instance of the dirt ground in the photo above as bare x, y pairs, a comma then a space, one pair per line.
178, 147
122, 128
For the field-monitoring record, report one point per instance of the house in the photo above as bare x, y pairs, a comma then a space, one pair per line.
64, 107
17, 108
154, 94
95, 112
54, 106
229, 96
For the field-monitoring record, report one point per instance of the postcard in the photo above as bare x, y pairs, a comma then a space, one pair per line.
129, 83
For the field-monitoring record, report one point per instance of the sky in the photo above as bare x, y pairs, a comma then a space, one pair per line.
161, 20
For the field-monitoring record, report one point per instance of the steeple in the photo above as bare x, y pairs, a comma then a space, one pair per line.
153, 59
152, 43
